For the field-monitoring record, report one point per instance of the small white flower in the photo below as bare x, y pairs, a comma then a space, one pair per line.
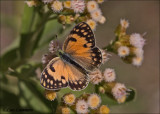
67, 4
102, 20
65, 110
123, 51
78, 6
47, 1
92, 24
96, 15
96, 76
81, 107
92, 6
124, 23
139, 52
104, 56
57, 6
137, 40
119, 90
94, 101
31, 3
69, 99
137, 61
100, 1
109, 75
54, 46
46, 58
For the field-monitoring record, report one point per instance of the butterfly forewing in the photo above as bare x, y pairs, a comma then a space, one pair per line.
80, 45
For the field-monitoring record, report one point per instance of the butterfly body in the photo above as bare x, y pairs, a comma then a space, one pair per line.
78, 57
69, 60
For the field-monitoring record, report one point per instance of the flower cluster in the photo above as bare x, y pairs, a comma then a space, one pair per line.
85, 103
105, 81
128, 47
70, 11
106, 84
50, 95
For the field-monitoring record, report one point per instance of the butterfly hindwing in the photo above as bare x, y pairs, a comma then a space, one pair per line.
80, 45
55, 75
59, 74
78, 80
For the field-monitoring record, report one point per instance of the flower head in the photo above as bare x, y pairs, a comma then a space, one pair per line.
47, 1
96, 76
67, 4
47, 57
94, 101
139, 52
31, 3
123, 51
102, 20
65, 110
119, 90
124, 23
54, 46
92, 24
96, 15
92, 6
104, 56
81, 106
69, 99
57, 6
122, 99
137, 61
78, 6
136, 40
104, 109
50, 95
109, 75
100, 1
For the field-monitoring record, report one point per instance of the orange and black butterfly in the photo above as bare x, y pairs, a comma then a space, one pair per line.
79, 56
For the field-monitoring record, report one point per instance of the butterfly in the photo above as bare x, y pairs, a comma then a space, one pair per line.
78, 57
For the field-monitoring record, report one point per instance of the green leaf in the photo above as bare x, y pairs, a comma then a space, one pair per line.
34, 98
9, 99
31, 34
9, 59
28, 70
27, 19
132, 95
25, 72
108, 100
51, 29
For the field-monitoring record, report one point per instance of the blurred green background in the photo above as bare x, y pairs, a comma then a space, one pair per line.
143, 17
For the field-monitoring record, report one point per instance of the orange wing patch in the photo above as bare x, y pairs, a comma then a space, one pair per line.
59, 74
76, 80
80, 45
55, 75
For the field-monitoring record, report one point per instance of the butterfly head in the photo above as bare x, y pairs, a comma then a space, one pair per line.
59, 53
